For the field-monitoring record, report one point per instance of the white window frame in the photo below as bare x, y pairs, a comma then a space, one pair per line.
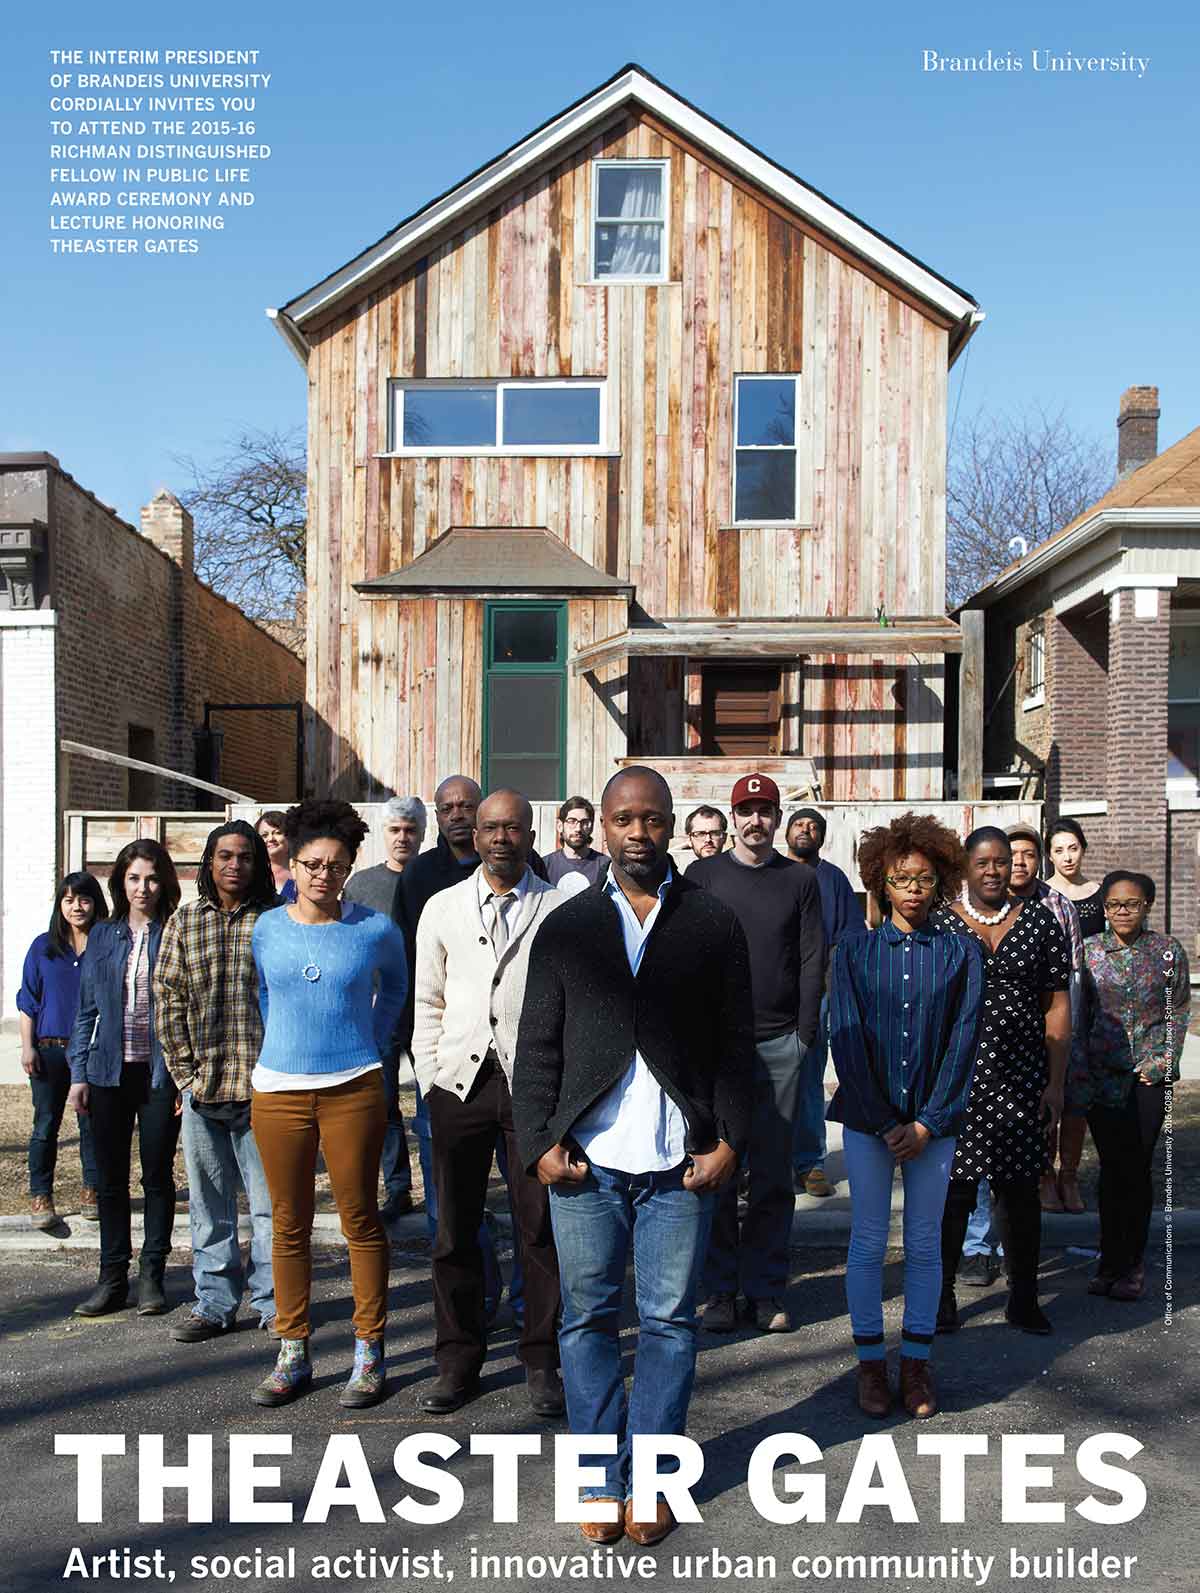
399, 385
766, 448
664, 255
1182, 785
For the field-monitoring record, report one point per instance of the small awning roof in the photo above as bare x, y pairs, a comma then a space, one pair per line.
485, 561
772, 638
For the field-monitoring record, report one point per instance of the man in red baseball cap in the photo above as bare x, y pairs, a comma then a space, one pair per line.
779, 906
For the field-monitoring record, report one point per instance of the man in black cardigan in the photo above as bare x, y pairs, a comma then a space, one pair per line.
631, 1100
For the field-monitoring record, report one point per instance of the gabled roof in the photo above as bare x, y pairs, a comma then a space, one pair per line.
477, 561
1164, 491
632, 85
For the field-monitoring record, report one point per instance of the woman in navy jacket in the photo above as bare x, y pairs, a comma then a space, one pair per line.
119, 1078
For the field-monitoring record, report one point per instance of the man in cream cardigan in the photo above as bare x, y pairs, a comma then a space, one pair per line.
472, 956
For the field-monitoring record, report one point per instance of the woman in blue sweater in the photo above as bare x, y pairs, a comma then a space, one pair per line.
905, 1010
332, 978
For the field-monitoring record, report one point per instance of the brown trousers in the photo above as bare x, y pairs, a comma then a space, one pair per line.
347, 1123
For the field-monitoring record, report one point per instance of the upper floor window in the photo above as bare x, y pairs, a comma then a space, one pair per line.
764, 455
630, 232
1036, 681
474, 417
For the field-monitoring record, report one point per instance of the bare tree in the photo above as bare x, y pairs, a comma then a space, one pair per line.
251, 522
1011, 476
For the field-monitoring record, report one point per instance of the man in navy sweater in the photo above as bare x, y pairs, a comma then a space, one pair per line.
779, 908
841, 917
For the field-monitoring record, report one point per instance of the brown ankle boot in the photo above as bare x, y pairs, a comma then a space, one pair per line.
874, 1395
916, 1388
1048, 1193
1070, 1149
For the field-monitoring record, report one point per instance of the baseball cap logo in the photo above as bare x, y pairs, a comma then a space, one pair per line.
754, 784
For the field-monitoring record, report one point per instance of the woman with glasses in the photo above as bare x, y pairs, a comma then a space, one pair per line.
1136, 997
47, 1002
904, 1007
1016, 1098
119, 1077
332, 979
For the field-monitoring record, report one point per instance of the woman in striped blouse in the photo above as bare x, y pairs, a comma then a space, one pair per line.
905, 1009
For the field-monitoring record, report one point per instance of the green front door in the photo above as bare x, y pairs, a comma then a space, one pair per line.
525, 699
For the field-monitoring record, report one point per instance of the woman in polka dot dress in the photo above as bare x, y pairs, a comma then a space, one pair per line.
1017, 1094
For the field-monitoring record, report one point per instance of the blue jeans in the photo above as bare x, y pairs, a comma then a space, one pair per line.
979, 1229
870, 1168
49, 1090
394, 1164
594, 1224
493, 1278
758, 1256
221, 1161
808, 1131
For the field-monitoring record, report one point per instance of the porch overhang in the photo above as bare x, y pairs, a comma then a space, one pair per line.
772, 638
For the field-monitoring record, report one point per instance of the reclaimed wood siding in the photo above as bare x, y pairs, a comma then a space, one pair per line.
750, 291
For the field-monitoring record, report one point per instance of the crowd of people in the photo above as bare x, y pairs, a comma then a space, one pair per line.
641, 1047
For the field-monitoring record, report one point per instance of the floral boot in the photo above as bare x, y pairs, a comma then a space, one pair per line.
368, 1379
291, 1376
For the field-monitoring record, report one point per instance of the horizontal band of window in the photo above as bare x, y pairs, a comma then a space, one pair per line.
478, 451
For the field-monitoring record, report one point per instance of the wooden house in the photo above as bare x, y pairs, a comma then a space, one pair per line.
630, 446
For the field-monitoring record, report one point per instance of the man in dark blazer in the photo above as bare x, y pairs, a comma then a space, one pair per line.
631, 1101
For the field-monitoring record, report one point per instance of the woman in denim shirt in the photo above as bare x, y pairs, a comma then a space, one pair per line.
1136, 995
118, 1076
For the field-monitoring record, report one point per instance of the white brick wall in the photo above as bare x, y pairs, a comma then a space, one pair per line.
28, 790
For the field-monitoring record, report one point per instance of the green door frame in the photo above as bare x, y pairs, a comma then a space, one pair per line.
558, 667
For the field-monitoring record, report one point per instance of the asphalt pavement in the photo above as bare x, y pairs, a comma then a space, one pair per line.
1109, 1368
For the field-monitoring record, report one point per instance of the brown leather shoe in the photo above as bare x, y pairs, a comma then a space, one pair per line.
648, 1532
874, 1393
916, 1388
41, 1212
604, 1531
1048, 1193
89, 1205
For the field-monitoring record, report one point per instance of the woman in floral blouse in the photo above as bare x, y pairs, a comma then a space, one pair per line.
1136, 998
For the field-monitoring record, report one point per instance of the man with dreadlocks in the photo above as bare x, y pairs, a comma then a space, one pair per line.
210, 1030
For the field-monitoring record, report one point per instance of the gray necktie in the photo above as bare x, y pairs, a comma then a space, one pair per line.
500, 905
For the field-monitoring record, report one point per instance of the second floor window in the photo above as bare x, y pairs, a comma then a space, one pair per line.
764, 468
630, 220
472, 417
1037, 661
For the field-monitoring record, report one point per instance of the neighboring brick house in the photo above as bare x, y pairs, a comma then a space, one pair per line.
1092, 668
108, 639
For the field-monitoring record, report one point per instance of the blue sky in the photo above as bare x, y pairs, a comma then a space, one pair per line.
1061, 202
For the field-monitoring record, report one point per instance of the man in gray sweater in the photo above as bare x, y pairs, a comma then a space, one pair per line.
379, 888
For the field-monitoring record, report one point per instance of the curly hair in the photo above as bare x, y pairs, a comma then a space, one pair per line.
315, 819
881, 848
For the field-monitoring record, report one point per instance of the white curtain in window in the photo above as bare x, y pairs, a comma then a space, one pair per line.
643, 193
636, 251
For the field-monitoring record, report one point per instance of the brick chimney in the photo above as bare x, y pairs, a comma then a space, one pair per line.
1137, 429
169, 526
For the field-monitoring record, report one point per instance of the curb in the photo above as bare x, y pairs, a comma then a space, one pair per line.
812, 1229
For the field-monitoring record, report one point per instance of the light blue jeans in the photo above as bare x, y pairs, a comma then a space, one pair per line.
596, 1223
870, 1169
221, 1161
980, 1240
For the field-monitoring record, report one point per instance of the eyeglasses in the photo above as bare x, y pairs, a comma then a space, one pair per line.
334, 870
902, 882
707, 835
1133, 905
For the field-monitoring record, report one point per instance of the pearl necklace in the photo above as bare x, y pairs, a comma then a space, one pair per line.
984, 918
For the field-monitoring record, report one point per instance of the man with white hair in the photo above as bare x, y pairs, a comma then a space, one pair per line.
403, 825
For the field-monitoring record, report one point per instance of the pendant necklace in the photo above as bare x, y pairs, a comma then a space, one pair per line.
984, 918
312, 968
